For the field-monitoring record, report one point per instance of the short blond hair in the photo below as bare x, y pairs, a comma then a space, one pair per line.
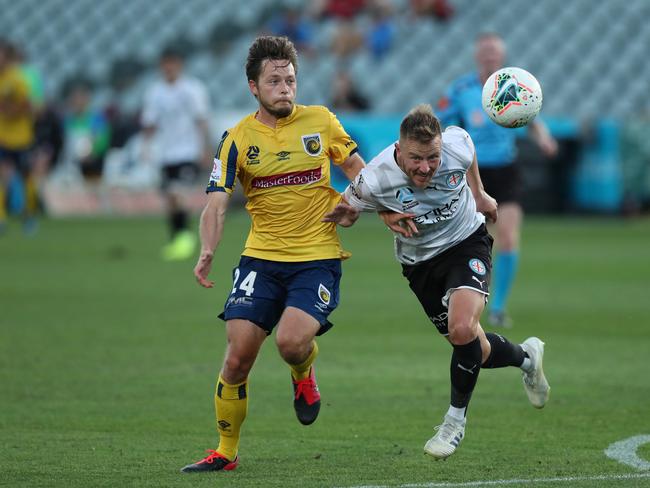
420, 125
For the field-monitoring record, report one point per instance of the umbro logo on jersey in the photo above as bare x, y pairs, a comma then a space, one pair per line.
253, 154
311, 143
283, 155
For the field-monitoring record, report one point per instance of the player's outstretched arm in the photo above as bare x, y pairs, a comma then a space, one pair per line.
402, 223
484, 202
211, 230
543, 138
343, 214
352, 166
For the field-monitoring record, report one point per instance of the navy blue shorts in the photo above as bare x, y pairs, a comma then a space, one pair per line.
263, 289
19, 160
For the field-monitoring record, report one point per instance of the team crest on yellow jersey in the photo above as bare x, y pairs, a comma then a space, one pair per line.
324, 294
312, 145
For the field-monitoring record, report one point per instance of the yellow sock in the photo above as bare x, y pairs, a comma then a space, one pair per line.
231, 405
301, 371
31, 196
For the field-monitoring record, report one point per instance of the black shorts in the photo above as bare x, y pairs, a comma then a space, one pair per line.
92, 167
466, 265
182, 173
502, 183
17, 159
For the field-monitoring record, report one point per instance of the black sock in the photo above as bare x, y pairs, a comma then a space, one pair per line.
464, 369
177, 221
504, 353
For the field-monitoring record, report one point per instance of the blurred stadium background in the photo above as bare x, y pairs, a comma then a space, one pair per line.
108, 355
591, 59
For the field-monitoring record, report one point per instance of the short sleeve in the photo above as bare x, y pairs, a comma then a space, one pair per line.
359, 195
460, 144
341, 146
224, 168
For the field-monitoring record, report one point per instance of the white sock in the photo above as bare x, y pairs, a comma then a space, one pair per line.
457, 413
527, 365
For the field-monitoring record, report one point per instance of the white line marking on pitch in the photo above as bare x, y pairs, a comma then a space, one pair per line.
513, 481
625, 452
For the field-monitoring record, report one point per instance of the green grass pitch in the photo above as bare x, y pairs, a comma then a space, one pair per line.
108, 359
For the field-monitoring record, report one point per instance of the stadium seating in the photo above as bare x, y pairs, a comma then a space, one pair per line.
589, 56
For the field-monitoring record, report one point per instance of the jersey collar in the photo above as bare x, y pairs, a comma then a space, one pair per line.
280, 123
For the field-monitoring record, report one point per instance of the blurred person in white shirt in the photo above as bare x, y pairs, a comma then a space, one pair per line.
176, 113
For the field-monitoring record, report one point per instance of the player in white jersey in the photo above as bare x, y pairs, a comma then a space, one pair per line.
429, 185
175, 115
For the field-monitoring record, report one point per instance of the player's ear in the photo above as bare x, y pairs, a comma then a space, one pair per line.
397, 149
252, 86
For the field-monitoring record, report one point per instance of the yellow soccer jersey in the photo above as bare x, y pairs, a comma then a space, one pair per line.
16, 131
285, 175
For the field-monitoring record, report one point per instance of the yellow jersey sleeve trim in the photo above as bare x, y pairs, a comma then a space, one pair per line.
224, 169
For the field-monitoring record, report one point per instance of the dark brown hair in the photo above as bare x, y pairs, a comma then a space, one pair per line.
420, 124
269, 47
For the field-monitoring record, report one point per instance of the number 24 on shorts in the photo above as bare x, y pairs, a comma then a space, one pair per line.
247, 283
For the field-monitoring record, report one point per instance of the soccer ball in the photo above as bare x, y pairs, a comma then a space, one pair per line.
512, 97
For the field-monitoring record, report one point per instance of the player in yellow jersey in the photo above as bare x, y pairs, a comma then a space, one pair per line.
289, 272
16, 132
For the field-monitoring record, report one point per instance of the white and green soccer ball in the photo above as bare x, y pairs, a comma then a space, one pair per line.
512, 97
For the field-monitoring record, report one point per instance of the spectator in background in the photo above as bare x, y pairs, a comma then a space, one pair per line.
176, 112
292, 24
496, 151
16, 139
346, 96
340, 9
346, 39
438, 9
87, 132
380, 35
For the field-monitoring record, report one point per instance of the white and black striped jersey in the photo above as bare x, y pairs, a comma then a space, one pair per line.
445, 210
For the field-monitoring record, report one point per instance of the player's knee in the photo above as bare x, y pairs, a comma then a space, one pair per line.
236, 368
509, 244
292, 349
462, 331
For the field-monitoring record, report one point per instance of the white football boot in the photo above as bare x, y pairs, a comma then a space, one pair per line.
535, 383
444, 443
